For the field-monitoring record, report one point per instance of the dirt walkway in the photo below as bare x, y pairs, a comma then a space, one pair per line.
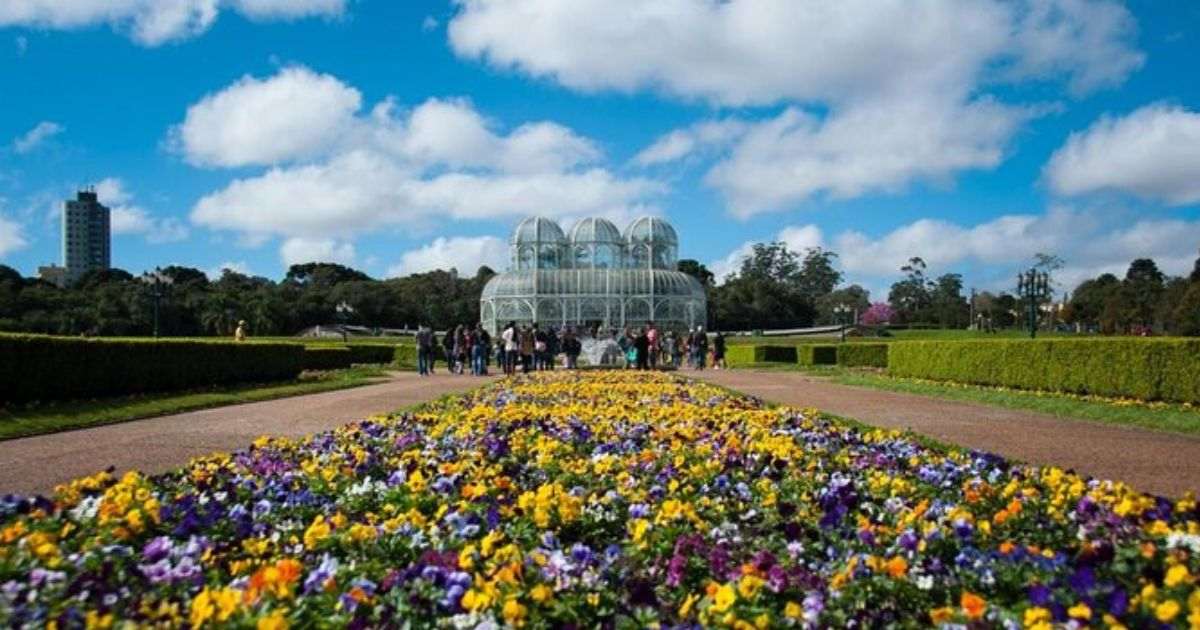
37, 464
1150, 461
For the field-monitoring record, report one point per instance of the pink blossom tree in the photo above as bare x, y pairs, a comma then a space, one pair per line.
879, 313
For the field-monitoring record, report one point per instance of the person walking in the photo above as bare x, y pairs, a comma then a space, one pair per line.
701, 347
448, 348
434, 350
424, 350
480, 351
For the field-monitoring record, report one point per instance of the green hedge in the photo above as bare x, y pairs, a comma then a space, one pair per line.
46, 368
1147, 369
371, 353
327, 357
405, 356
815, 354
746, 355
863, 355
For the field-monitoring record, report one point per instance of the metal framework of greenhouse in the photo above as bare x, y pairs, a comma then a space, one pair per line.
596, 277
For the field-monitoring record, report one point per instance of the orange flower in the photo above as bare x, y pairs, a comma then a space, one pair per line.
1006, 547
973, 605
897, 567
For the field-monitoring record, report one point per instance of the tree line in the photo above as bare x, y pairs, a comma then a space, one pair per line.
773, 288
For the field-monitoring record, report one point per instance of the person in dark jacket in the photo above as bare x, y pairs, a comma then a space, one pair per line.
641, 343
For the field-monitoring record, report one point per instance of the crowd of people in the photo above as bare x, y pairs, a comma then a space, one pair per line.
528, 348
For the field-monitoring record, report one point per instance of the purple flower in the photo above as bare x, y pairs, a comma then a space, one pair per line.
157, 549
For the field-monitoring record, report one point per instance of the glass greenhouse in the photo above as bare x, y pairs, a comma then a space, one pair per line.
597, 276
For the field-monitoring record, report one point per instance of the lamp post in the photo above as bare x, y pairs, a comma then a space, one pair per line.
157, 284
840, 311
1033, 285
344, 311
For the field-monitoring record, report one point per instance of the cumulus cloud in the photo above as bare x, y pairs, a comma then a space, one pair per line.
764, 51
217, 271
154, 22
295, 114
1152, 153
299, 250
37, 136
464, 253
128, 218
877, 95
1090, 245
11, 236
358, 172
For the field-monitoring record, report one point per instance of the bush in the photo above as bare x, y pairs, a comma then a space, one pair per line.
816, 354
405, 356
1147, 369
46, 368
327, 357
371, 353
748, 354
863, 355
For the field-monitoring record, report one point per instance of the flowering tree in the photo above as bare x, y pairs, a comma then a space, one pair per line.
878, 313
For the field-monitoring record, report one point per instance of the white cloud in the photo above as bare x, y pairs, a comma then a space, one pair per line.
153, 22
682, 143
879, 94
297, 250
466, 254
295, 114
991, 251
1153, 153
128, 218
35, 137
763, 51
388, 166
11, 236
877, 146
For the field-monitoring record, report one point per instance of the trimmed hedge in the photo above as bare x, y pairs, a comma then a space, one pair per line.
863, 355
327, 357
816, 354
371, 353
746, 355
1147, 369
47, 368
405, 356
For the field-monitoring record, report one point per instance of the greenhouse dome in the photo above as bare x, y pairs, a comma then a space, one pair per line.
598, 277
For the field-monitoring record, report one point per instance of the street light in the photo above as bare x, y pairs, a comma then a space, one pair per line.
344, 311
839, 311
157, 283
1033, 286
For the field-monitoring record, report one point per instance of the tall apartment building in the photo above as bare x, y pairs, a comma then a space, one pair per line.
86, 238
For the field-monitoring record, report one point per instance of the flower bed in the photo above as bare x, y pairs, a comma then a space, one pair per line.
610, 498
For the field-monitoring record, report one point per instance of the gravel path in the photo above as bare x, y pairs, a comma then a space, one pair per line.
1151, 461
36, 464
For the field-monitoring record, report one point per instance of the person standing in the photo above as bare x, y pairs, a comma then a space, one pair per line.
433, 350
448, 348
571, 347
701, 347
238, 335
653, 348
541, 346
526, 349
719, 351
424, 350
480, 351
641, 344
512, 345
668, 349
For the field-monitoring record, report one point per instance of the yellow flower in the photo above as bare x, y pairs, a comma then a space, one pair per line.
275, 621
202, 608
318, 531
1080, 611
1036, 616
685, 608
541, 593
793, 610
1166, 611
724, 598
941, 615
416, 481
1176, 575
96, 621
749, 585
514, 613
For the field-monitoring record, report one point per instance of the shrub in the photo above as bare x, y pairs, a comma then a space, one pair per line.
816, 354
47, 368
327, 357
371, 353
750, 354
863, 355
405, 356
1147, 369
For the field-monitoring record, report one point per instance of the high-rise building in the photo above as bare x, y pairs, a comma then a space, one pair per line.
85, 235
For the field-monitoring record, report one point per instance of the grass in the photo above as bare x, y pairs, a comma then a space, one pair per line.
900, 335
52, 418
1166, 417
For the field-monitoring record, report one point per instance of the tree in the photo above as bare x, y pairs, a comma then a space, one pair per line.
853, 297
1187, 312
1090, 297
910, 297
697, 270
877, 314
947, 304
1142, 288
817, 276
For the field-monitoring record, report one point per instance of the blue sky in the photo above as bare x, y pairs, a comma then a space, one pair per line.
400, 136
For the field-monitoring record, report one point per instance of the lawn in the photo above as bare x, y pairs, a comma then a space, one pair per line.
1157, 416
901, 335
50, 418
